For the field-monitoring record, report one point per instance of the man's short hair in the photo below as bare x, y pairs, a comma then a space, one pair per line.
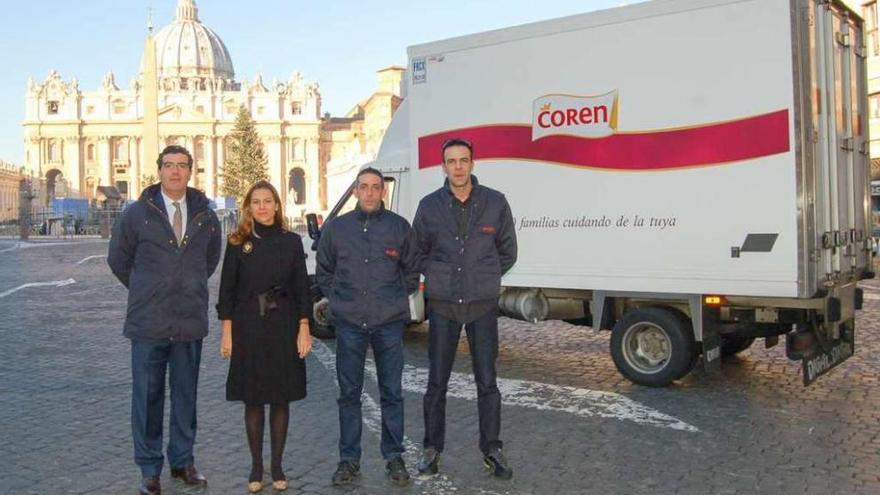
371, 170
175, 149
456, 142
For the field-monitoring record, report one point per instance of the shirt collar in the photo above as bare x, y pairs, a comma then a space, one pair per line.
169, 203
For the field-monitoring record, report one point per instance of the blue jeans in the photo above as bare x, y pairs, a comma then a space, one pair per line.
351, 353
482, 335
149, 361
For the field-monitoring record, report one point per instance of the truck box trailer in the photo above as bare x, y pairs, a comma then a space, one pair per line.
689, 174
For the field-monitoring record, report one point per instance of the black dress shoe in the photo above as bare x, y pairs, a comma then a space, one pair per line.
189, 475
150, 486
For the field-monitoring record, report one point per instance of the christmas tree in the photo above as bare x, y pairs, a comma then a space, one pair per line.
246, 162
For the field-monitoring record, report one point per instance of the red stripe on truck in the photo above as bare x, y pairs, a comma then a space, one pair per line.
712, 144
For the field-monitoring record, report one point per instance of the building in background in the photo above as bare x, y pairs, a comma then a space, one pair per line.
11, 176
354, 140
77, 141
868, 10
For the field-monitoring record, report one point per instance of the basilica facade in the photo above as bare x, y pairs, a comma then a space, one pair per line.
78, 140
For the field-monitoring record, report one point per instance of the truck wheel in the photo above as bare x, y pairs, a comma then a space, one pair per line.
653, 346
731, 346
319, 327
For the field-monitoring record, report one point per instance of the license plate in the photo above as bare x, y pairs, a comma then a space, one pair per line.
824, 361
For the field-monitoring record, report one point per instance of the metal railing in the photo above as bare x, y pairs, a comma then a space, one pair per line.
64, 225
61, 225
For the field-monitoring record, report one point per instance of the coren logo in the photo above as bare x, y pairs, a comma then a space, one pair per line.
583, 116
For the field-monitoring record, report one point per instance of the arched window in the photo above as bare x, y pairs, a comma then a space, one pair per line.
118, 149
90, 152
297, 186
54, 184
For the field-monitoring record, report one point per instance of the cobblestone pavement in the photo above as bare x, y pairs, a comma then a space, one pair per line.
753, 428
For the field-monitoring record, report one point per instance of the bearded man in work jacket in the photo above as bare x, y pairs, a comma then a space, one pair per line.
467, 241
164, 248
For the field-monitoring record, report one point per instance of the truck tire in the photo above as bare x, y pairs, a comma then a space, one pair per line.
653, 346
731, 346
319, 327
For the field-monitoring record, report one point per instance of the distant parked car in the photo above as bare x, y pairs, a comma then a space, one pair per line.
875, 238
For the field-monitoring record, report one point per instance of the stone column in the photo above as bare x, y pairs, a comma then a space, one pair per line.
105, 161
44, 158
36, 154
210, 183
189, 142
286, 165
322, 179
221, 161
134, 169
73, 169
311, 168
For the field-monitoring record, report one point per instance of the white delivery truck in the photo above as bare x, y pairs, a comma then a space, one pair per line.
689, 174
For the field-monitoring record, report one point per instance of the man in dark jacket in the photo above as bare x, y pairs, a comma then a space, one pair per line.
163, 249
467, 240
366, 268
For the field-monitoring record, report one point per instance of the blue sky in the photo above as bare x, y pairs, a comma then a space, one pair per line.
338, 43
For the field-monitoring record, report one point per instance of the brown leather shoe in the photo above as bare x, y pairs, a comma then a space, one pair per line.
150, 486
189, 475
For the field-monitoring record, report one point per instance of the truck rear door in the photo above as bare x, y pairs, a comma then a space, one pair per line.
840, 121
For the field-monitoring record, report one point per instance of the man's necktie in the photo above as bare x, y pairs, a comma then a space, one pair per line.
177, 222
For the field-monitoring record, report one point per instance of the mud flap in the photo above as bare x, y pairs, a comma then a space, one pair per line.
711, 340
829, 355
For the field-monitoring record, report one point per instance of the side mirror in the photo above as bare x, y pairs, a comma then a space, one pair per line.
312, 222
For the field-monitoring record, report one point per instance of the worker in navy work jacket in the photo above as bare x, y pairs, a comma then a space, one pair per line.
366, 267
467, 241
164, 248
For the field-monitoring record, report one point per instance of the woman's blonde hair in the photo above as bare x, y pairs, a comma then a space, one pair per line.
245, 230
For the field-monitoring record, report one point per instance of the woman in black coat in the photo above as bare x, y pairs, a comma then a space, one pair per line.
264, 306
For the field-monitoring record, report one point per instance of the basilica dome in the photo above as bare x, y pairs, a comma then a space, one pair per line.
189, 54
